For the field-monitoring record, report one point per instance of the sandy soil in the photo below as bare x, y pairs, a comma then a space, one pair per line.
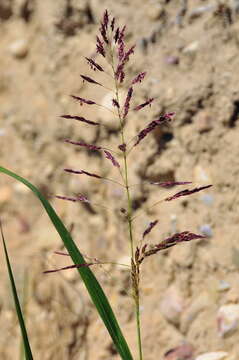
190, 52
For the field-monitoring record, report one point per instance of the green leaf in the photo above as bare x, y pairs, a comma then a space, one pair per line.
95, 291
27, 348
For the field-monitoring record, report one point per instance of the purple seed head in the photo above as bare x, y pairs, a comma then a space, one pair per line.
127, 101
94, 65
82, 100
88, 79
122, 147
141, 106
115, 103
140, 77
151, 225
109, 156
99, 46
79, 143
116, 36
80, 118
187, 192
112, 24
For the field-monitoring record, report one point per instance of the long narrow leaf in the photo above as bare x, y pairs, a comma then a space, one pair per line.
97, 295
27, 348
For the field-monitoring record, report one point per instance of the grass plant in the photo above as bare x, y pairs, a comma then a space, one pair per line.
112, 49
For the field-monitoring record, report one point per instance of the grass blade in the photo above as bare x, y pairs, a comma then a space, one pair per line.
27, 348
95, 291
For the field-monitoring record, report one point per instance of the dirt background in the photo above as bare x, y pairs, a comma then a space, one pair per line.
190, 293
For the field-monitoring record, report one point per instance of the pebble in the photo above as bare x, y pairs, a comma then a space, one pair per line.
197, 12
182, 352
223, 285
203, 121
201, 175
19, 48
191, 49
172, 60
227, 319
172, 304
207, 199
206, 230
219, 355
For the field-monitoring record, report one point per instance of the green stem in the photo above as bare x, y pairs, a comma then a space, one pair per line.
136, 291
138, 328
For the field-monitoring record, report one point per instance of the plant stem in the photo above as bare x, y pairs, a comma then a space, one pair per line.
129, 218
135, 284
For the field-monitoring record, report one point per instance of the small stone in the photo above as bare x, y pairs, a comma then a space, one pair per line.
201, 175
191, 49
172, 60
19, 48
182, 352
172, 304
223, 285
197, 12
228, 319
203, 121
207, 199
219, 355
206, 230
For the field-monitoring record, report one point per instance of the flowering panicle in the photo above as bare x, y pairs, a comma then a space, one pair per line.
115, 103
108, 155
171, 241
140, 77
79, 143
100, 46
112, 24
152, 125
104, 33
88, 79
111, 158
79, 172
127, 101
80, 118
116, 36
105, 19
83, 101
141, 106
111, 45
121, 34
122, 147
151, 225
119, 73
121, 51
187, 192
94, 65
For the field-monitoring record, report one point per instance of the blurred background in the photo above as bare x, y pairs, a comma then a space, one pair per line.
190, 293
